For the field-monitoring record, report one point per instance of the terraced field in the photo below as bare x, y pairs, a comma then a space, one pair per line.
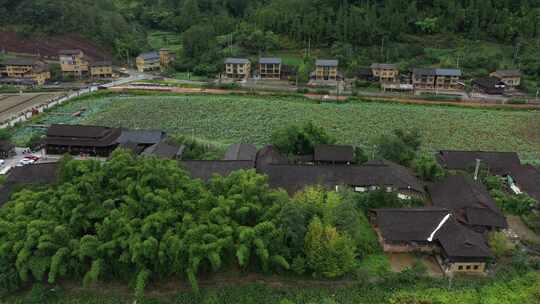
12, 104
228, 119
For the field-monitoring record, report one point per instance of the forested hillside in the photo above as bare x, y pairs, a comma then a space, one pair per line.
211, 29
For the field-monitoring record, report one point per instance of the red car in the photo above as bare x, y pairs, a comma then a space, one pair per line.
32, 157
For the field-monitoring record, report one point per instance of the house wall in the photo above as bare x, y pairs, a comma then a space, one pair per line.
326, 73
270, 71
511, 81
147, 65
101, 71
466, 267
436, 82
237, 70
18, 71
165, 58
42, 77
386, 75
75, 65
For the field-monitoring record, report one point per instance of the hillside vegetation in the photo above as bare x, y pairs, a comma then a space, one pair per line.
354, 31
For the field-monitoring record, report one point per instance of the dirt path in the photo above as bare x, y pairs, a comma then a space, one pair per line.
516, 225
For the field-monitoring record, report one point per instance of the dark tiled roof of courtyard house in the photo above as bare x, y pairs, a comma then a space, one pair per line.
498, 162
334, 153
241, 152
470, 200
78, 135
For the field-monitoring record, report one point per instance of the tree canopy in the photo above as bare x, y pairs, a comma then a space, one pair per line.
139, 219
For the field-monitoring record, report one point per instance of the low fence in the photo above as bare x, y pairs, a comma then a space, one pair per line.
31, 111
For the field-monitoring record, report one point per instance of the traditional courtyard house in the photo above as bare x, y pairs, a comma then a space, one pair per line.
241, 152
371, 176
333, 154
73, 63
433, 230
437, 79
469, 201
385, 72
150, 61
101, 69
498, 163
525, 179
488, 85
326, 69
81, 140
237, 68
138, 140
7, 149
164, 150
269, 155
270, 68
34, 71
166, 58
512, 78
206, 169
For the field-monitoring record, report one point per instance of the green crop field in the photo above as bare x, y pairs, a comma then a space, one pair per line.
229, 118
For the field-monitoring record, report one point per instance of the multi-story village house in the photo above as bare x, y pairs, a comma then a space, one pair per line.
270, 68
101, 69
237, 68
326, 69
437, 79
511, 78
385, 72
73, 63
150, 61
31, 71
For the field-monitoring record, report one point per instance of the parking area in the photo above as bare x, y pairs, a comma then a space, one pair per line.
21, 154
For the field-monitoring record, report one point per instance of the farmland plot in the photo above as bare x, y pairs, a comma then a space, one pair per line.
229, 119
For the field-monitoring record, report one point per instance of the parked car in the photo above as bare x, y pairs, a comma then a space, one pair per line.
25, 161
32, 157
2, 162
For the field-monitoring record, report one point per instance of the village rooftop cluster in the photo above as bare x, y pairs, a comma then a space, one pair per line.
452, 226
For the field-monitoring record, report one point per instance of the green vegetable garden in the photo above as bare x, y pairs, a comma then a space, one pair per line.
228, 119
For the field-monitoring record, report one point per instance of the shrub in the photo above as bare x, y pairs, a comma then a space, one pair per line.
300, 140
299, 265
493, 182
329, 253
428, 169
400, 147
532, 220
499, 244
520, 204
375, 265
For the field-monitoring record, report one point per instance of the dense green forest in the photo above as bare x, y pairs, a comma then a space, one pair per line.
352, 29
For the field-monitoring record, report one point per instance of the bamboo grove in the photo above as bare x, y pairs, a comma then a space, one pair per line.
140, 220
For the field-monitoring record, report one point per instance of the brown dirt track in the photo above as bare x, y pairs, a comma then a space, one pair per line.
49, 46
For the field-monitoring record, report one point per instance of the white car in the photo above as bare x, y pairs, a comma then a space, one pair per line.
2, 162
25, 161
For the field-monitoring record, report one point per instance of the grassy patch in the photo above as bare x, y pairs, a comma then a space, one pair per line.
163, 39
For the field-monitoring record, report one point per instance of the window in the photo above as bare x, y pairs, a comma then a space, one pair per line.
476, 267
460, 267
468, 267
